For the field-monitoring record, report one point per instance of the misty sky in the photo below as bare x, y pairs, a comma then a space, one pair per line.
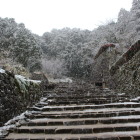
43, 15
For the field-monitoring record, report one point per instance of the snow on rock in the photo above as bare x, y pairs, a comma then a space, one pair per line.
135, 99
17, 118
24, 83
11, 124
15, 122
4, 130
35, 81
65, 80
121, 94
22, 78
2, 71
43, 99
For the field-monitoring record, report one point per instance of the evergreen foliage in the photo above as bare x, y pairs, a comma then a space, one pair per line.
70, 51
20, 44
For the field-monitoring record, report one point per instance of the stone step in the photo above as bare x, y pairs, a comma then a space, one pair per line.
71, 112
87, 101
84, 101
91, 111
84, 115
82, 119
81, 96
69, 122
129, 135
63, 96
76, 129
86, 98
82, 107
78, 110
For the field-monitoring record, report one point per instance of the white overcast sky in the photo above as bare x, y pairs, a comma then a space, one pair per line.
43, 15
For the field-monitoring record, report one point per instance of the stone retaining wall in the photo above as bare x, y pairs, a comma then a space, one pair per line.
125, 57
121, 74
104, 59
16, 96
127, 77
100, 70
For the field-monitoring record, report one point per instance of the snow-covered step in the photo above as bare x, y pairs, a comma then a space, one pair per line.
81, 121
46, 107
84, 115
72, 113
129, 135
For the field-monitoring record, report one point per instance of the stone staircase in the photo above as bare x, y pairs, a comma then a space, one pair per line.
77, 112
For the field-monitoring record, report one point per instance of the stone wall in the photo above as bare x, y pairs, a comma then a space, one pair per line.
100, 70
16, 94
128, 55
126, 77
118, 72
104, 59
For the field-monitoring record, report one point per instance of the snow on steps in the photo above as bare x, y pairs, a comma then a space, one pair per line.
118, 120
